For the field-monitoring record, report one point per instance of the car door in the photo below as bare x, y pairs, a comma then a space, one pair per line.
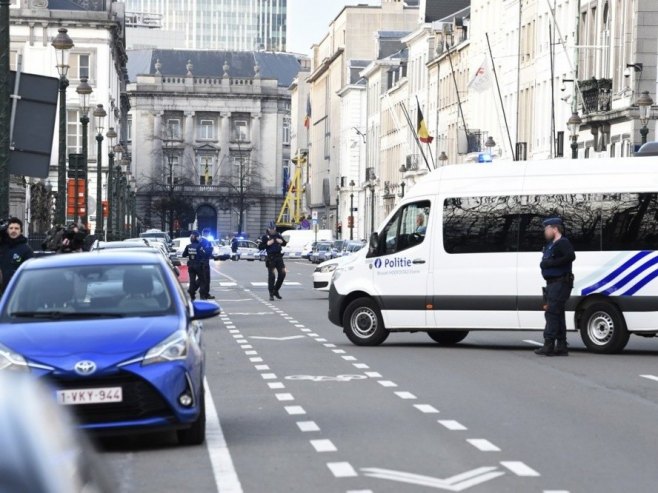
400, 266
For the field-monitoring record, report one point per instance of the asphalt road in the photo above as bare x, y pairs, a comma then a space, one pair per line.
301, 409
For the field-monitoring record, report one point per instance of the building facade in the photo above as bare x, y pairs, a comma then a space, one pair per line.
210, 138
244, 25
97, 31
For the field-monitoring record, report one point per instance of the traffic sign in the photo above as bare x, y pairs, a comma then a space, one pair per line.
314, 215
315, 221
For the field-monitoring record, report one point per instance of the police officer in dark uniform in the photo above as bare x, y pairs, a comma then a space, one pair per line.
204, 256
272, 242
556, 268
198, 261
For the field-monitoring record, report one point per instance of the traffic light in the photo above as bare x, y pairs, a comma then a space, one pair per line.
106, 208
350, 221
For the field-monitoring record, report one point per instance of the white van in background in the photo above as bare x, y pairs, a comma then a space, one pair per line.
298, 239
462, 250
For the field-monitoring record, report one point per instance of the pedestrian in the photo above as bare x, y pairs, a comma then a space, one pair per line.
556, 268
272, 242
14, 249
191, 252
234, 248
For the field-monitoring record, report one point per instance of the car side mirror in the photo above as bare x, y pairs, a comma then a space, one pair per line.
205, 309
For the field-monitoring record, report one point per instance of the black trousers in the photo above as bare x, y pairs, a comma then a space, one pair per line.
195, 272
557, 295
204, 287
276, 272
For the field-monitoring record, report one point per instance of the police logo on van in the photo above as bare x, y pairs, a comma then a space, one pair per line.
394, 265
378, 263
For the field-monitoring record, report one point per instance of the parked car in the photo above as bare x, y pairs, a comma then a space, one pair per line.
115, 337
322, 252
157, 235
179, 244
247, 249
221, 250
135, 246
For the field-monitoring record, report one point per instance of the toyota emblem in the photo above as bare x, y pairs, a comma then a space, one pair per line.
85, 367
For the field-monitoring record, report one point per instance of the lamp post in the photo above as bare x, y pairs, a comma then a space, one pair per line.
111, 135
371, 186
402, 187
573, 123
443, 158
5, 107
99, 115
84, 91
351, 221
338, 225
63, 45
644, 102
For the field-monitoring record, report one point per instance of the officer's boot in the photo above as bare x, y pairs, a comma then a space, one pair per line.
548, 349
561, 348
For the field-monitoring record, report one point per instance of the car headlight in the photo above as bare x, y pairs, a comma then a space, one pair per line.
12, 361
328, 268
172, 348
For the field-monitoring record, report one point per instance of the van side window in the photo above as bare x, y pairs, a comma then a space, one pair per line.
629, 221
406, 229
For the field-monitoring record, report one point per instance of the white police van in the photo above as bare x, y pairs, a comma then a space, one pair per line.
462, 250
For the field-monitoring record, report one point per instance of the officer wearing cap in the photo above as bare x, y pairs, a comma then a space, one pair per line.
198, 253
556, 268
272, 242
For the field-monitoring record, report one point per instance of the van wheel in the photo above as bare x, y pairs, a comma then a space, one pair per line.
363, 323
603, 329
196, 434
448, 337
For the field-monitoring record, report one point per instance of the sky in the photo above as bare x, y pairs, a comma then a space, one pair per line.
308, 20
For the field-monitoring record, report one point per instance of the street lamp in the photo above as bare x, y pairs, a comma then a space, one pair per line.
63, 45
351, 221
84, 91
111, 136
644, 102
574, 123
99, 115
443, 157
402, 187
371, 186
489, 144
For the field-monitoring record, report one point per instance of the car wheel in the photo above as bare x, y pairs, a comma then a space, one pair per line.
603, 328
363, 323
448, 337
196, 434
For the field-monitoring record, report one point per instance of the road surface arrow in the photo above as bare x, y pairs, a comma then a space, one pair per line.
289, 338
460, 482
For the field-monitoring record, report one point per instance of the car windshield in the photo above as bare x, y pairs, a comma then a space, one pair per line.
324, 247
102, 291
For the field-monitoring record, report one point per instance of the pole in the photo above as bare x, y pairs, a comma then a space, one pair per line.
351, 215
170, 160
110, 199
372, 209
338, 216
493, 68
241, 196
85, 152
415, 134
60, 206
76, 192
99, 187
5, 108
574, 147
644, 131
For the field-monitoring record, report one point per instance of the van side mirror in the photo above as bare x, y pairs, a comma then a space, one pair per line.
374, 242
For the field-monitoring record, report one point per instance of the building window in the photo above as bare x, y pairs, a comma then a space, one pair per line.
206, 130
286, 130
205, 171
241, 131
170, 171
73, 132
173, 129
79, 66
129, 128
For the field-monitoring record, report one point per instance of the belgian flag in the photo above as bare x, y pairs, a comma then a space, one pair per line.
307, 118
423, 134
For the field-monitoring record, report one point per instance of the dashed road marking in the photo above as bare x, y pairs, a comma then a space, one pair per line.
251, 353
371, 374
284, 397
246, 346
323, 445
483, 445
276, 385
339, 351
349, 358
452, 425
256, 360
342, 470
329, 345
262, 367
426, 408
360, 366
387, 383
520, 468
295, 410
308, 426
268, 376
650, 377
405, 395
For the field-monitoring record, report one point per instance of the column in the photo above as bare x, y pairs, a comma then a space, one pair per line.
224, 140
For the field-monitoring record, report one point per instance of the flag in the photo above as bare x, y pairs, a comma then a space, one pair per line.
423, 133
206, 174
307, 119
482, 78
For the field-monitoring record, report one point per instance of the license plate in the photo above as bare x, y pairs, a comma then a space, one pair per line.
89, 396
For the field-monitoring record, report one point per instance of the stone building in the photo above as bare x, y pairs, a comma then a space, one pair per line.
210, 137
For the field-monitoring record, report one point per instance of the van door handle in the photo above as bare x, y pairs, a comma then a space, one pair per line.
418, 261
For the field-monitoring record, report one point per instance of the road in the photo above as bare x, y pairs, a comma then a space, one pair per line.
303, 410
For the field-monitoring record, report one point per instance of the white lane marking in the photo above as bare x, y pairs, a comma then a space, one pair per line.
307, 426
228, 284
387, 383
534, 343
359, 491
349, 358
268, 376
256, 360
483, 445
242, 341
360, 366
288, 338
426, 408
452, 425
262, 367
329, 345
371, 374
300, 326
339, 351
230, 326
276, 385
258, 284
233, 331
520, 469
251, 353
226, 477
313, 335
246, 346
342, 469
292, 283
306, 330
458, 482
237, 335
295, 410
284, 397
323, 445
556, 491
294, 321
321, 340
405, 395
650, 377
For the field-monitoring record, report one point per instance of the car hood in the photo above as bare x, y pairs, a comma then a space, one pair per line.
105, 341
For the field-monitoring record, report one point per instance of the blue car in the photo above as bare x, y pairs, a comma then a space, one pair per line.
114, 336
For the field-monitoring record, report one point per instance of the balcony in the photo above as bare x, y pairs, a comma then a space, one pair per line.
596, 95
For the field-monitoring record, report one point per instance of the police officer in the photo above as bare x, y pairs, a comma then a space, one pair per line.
204, 255
272, 242
556, 268
14, 249
198, 253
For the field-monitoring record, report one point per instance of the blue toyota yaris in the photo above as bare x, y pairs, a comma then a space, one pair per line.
114, 335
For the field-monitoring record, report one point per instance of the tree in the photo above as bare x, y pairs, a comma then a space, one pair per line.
41, 207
